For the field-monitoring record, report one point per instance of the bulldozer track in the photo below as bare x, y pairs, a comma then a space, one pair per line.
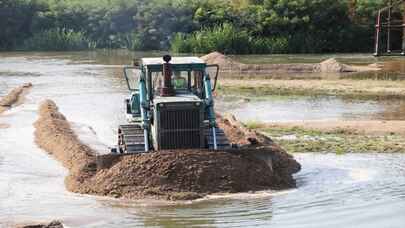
131, 139
222, 140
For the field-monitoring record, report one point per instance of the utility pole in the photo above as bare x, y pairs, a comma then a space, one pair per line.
403, 29
389, 27
377, 35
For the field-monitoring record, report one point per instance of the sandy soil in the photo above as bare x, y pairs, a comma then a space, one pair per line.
322, 87
226, 64
366, 127
15, 96
172, 175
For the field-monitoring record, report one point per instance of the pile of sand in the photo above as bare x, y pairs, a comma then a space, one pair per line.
173, 175
331, 65
221, 60
13, 97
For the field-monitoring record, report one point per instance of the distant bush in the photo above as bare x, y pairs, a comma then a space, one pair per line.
227, 39
58, 39
269, 45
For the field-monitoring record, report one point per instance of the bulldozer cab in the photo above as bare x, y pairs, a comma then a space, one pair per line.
187, 75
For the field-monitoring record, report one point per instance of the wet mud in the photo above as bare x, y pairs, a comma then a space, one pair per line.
331, 65
13, 97
168, 175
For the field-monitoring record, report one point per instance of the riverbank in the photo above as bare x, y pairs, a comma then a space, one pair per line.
228, 65
169, 175
337, 136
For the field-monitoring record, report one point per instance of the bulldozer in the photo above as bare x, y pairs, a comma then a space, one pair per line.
170, 106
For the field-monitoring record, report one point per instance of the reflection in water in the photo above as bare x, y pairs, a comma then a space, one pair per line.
290, 108
354, 190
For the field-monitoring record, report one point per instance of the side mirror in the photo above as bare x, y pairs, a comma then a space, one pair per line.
216, 66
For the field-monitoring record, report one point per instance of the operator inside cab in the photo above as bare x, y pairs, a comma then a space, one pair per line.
178, 81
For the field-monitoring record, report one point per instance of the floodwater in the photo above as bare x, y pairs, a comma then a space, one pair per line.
300, 108
354, 190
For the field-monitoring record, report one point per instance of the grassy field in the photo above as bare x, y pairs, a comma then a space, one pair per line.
334, 140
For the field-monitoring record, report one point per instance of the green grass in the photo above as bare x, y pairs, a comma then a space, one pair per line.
338, 141
58, 39
247, 91
226, 38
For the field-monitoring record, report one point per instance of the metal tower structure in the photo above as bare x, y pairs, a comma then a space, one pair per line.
390, 29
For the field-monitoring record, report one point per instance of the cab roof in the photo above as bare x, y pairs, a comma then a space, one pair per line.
175, 60
178, 63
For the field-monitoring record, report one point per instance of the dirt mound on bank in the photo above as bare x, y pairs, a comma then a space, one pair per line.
13, 97
331, 65
221, 60
174, 175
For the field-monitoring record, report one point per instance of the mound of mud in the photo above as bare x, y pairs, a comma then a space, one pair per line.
13, 97
331, 65
172, 175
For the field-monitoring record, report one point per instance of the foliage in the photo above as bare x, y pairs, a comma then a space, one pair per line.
227, 39
57, 40
267, 26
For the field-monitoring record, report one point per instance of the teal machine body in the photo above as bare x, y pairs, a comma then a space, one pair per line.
171, 106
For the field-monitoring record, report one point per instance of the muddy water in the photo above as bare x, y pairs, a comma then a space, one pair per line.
297, 108
359, 190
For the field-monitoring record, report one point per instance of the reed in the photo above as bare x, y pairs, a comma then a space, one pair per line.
58, 39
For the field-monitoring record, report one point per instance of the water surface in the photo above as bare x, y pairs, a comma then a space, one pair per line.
354, 190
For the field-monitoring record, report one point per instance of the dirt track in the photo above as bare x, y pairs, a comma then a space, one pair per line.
172, 175
14, 96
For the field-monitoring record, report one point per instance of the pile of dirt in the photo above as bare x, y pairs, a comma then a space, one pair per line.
54, 134
53, 224
13, 97
172, 175
331, 65
222, 60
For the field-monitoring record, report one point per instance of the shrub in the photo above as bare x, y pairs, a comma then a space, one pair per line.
227, 39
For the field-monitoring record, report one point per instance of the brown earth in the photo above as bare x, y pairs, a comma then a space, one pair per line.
13, 97
331, 65
171, 175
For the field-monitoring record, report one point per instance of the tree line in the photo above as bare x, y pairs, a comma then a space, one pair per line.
199, 26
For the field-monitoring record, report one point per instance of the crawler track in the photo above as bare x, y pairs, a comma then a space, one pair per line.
131, 139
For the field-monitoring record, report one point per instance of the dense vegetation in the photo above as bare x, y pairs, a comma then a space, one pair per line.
230, 26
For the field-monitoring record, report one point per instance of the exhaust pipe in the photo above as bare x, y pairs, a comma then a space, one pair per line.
167, 89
